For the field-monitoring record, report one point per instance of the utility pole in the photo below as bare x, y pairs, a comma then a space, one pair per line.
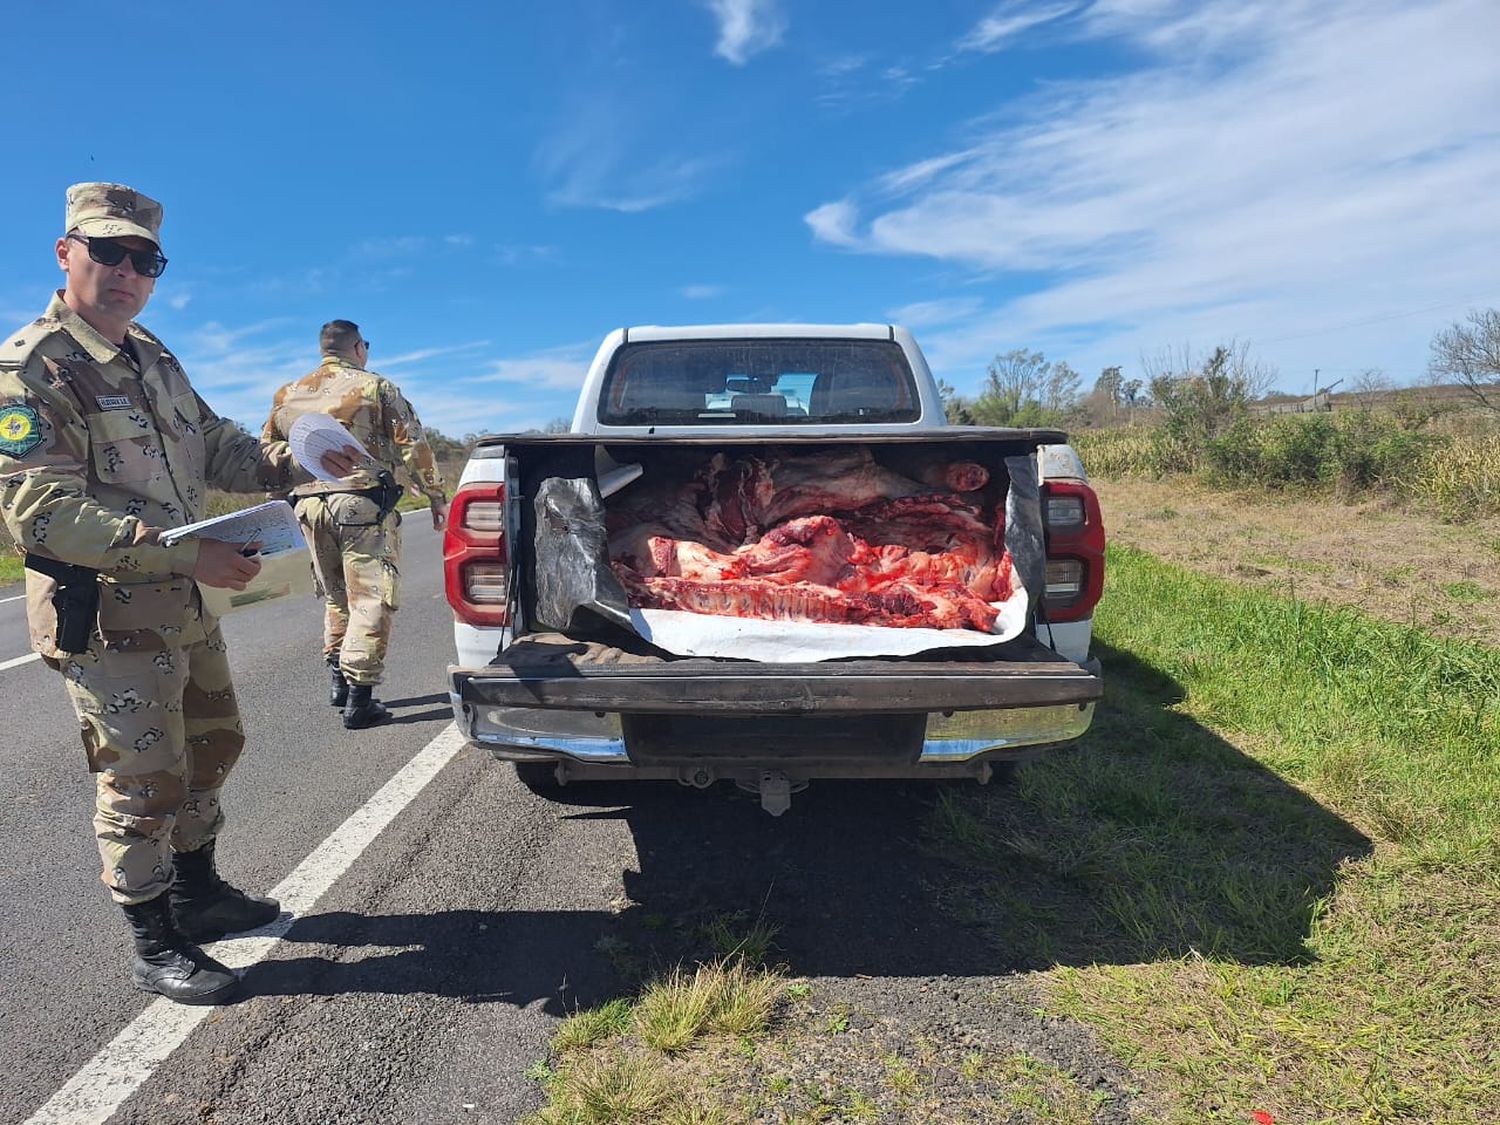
1315, 381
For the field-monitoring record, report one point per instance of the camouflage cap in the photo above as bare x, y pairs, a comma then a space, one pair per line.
113, 211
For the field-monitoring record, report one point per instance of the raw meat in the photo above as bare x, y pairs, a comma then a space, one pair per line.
830, 536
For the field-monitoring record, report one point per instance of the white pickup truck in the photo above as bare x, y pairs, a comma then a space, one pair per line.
560, 548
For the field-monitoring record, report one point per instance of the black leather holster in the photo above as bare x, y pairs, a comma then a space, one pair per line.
76, 600
386, 494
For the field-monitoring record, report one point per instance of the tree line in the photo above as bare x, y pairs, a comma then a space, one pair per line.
1196, 394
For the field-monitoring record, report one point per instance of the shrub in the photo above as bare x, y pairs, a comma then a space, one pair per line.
1461, 478
1375, 451
1353, 453
1298, 449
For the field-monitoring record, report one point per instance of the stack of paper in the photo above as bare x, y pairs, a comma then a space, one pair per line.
285, 564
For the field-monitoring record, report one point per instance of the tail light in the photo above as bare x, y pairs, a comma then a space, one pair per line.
1075, 550
476, 564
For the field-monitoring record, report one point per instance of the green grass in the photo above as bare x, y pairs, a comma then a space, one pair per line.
1282, 835
641, 1060
10, 569
1466, 593
1269, 879
739, 935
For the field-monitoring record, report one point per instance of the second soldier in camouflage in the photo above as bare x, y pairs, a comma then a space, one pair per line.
351, 524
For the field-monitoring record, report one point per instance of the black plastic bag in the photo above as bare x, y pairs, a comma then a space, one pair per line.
573, 579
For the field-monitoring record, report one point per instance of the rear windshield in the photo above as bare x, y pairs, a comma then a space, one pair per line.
786, 382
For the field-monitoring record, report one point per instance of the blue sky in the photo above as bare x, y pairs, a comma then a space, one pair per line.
488, 188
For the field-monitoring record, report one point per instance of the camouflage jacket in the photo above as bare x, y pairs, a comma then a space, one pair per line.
371, 408
96, 458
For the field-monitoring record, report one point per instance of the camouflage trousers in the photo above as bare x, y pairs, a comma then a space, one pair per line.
355, 561
161, 730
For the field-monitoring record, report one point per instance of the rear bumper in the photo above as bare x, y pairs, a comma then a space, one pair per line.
816, 720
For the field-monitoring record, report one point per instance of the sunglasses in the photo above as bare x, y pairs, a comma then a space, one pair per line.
109, 252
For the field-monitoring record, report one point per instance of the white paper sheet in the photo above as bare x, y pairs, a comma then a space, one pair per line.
285, 562
313, 435
796, 642
280, 576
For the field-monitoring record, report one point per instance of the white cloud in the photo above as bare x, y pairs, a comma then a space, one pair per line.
1007, 23
861, 81
1188, 26
701, 292
421, 355
454, 388
746, 28
600, 159
455, 412
924, 314
834, 222
179, 300
459, 389
560, 368
1333, 166
237, 369
923, 171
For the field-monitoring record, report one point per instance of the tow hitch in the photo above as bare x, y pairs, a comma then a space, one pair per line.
775, 790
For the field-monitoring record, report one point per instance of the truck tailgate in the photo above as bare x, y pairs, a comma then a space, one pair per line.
581, 676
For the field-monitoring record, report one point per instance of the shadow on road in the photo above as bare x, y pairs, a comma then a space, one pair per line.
435, 697
1150, 839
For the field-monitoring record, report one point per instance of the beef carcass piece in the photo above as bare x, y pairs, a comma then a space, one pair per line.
900, 605
976, 569
814, 549
812, 570
959, 476
847, 541
751, 494
936, 522
661, 508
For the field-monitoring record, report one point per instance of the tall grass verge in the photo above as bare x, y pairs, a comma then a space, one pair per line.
1456, 474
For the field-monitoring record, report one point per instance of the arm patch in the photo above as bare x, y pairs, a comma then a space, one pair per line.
20, 429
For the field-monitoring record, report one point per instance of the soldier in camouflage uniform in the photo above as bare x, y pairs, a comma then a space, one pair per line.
352, 525
103, 445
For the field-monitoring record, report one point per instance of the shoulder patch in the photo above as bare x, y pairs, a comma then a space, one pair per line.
20, 429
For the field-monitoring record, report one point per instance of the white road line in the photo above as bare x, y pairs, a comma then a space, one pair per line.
92, 1095
13, 598
17, 661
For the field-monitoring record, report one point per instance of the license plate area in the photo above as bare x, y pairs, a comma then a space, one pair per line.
773, 739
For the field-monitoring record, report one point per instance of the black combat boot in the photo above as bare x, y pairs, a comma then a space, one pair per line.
338, 687
361, 711
205, 907
168, 964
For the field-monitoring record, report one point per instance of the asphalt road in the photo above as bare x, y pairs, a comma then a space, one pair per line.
63, 988
428, 978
